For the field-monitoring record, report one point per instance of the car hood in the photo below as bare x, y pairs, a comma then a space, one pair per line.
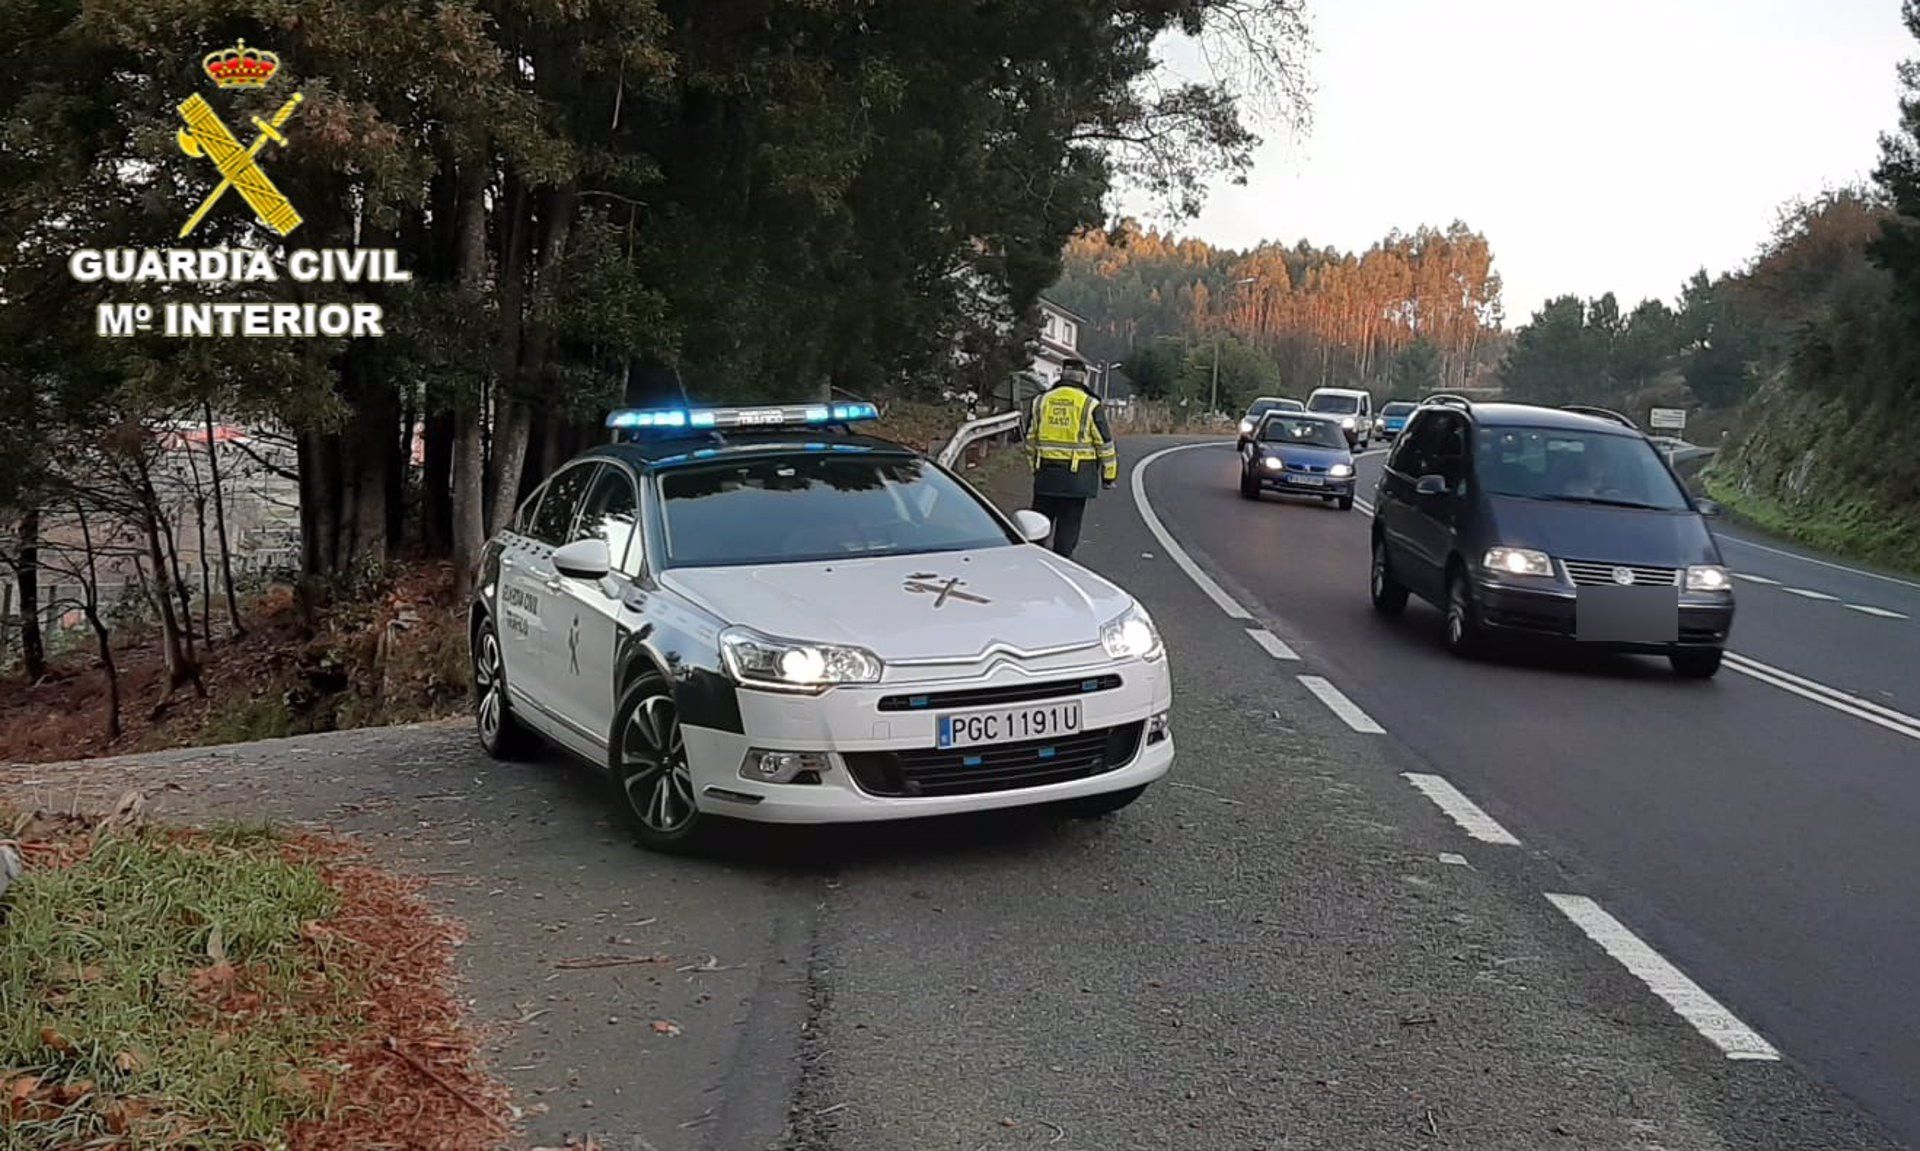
891, 605
1307, 453
1602, 534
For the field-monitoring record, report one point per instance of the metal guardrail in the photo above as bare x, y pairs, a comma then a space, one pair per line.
975, 430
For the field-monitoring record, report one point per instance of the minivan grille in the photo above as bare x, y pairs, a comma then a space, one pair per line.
1592, 573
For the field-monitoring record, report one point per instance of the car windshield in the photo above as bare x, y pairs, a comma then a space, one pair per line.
815, 506
1575, 467
1262, 407
1396, 409
1338, 405
1319, 433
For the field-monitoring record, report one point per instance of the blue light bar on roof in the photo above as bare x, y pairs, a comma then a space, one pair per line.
773, 416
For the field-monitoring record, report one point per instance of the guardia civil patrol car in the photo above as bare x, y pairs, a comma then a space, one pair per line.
757, 613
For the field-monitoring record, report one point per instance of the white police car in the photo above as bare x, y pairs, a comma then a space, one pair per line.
753, 612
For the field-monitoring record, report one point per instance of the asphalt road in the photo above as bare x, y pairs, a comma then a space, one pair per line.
1759, 833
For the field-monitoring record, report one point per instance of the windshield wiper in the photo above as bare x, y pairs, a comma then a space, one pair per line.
1604, 502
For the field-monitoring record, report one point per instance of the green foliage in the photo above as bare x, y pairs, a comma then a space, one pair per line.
1155, 367
1416, 370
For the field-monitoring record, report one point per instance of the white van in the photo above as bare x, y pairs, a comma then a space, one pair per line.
1352, 406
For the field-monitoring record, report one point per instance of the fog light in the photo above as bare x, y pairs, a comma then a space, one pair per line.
782, 766
1158, 727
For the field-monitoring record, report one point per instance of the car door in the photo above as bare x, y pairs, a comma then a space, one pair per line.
585, 642
517, 601
1436, 515
542, 593
1394, 503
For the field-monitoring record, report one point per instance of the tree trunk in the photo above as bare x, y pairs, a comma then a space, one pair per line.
6, 614
102, 638
400, 466
200, 523
181, 668
469, 448
366, 450
33, 647
556, 225
436, 480
220, 522
179, 580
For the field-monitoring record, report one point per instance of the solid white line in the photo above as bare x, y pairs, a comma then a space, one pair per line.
1460, 809
1687, 998
1811, 560
1756, 579
1883, 613
1348, 711
1214, 591
1276, 647
1363, 505
1803, 593
1819, 692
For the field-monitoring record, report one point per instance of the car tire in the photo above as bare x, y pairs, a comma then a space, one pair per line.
1346, 503
1389, 596
1249, 487
1463, 632
648, 772
502, 736
1106, 803
1695, 664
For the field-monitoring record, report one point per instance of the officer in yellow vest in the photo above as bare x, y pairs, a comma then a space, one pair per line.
1071, 449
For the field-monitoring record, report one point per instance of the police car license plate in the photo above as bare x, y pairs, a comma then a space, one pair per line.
1009, 724
1310, 481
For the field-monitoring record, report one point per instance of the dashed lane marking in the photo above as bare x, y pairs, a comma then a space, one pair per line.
1460, 809
1274, 645
1811, 560
1337, 702
1883, 613
1720, 1027
1807, 593
1201, 579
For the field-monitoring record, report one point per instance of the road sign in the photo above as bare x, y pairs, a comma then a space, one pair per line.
1674, 419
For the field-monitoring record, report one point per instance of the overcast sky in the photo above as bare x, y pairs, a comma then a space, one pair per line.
1599, 146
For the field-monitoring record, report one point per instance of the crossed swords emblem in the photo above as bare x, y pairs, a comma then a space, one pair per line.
207, 135
943, 591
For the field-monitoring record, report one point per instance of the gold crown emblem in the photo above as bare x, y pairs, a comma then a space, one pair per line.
240, 66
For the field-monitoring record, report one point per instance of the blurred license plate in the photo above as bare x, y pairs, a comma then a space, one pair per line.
1627, 614
1310, 481
1010, 724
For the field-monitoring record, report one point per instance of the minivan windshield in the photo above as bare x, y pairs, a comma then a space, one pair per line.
1559, 465
1338, 405
813, 506
1287, 430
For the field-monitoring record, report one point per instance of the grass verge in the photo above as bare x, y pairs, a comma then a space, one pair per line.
1858, 530
230, 989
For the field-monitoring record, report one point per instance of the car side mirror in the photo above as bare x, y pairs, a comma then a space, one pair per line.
1033, 526
1708, 507
583, 560
1431, 485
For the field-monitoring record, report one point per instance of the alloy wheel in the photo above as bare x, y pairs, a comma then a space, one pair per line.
653, 761
490, 686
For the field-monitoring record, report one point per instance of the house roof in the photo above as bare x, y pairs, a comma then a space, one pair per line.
1069, 313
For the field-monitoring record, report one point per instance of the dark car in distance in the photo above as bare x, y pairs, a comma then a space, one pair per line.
1301, 454
1551, 524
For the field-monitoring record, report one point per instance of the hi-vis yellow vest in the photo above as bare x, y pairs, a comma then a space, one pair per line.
1063, 431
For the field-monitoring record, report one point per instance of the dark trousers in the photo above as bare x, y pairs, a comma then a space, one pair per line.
1066, 513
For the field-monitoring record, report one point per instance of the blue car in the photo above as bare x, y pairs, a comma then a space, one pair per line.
1301, 454
1393, 417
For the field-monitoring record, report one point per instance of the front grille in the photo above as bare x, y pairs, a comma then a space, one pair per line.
932, 771
1007, 693
1306, 467
1592, 573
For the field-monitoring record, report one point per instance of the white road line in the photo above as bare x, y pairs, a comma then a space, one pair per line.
1811, 560
1348, 711
1363, 505
1804, 593
1883, 613
1214, 591
1460, 809
1687, 998
1853, 705
1756, 579
1275, 646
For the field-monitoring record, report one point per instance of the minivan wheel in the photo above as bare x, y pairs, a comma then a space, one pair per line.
1695, 664
652, 783
1464, 637
1389, 597
501, 735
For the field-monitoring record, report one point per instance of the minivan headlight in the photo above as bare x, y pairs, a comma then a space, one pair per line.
1131, 636
756, 660
1518, 561
1708, 577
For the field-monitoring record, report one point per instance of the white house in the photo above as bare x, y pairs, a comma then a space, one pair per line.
1059, 340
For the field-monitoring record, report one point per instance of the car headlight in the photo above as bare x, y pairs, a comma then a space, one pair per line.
1347, 423
756, 660
1246, 426
1518, 561
1708, 577
1131, 636
1340, 471
1272, 463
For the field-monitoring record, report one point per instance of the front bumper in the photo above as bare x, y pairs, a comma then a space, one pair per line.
1546, 612
1328, 487
848, 722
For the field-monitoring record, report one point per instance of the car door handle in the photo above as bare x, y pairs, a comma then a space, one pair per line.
553, 585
